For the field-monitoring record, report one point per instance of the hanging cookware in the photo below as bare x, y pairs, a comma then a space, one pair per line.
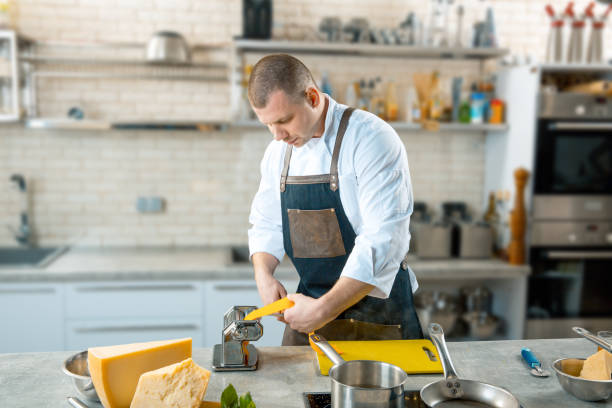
461, 392
362, 383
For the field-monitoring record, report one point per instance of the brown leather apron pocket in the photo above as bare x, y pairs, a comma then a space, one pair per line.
315, 233
351, 329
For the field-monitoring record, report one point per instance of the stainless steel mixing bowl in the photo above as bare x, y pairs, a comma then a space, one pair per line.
568, 370
76, 368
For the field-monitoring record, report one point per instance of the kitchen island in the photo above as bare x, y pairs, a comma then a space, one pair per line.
36, 380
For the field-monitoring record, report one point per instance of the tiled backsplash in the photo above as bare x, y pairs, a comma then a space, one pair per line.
85, 184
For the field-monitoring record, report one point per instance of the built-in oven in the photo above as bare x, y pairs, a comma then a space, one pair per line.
571, 220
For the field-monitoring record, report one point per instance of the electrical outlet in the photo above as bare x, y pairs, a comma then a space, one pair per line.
151, 204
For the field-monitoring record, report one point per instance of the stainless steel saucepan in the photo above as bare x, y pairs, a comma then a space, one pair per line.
363, 383
456, 392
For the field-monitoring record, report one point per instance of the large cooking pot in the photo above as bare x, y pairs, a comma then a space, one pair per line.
456, 392
362, 383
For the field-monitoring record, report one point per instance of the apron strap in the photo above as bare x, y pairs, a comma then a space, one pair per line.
333, 184
283, 180
333, 172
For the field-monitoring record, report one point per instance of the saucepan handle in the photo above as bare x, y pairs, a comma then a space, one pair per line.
595, 339
326, 348
437, 336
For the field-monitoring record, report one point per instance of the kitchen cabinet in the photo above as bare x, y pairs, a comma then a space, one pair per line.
31, 317
106, 313
81, 334
74, 316
106, 300
222, 295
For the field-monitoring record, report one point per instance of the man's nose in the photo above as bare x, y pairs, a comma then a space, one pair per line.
279, 134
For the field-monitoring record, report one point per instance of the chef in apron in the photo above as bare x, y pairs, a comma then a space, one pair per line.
335, 197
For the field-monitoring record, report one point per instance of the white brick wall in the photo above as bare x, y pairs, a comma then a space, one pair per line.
85, 184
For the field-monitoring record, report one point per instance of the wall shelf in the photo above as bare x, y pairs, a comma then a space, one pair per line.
406, 126
380, 50
87, 124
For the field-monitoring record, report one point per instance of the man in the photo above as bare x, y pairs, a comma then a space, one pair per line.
336, 197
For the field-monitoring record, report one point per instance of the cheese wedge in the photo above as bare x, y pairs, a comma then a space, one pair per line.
598, 366
115, 370
180, 385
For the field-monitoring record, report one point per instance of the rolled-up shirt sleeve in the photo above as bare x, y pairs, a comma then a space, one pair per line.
385, 202
266, 232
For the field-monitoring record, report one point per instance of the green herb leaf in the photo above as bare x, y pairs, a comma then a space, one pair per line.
229, 397
246, 401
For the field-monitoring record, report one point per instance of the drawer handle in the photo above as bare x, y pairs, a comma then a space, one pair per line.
134, 288
26, 291
136, 328
235, 287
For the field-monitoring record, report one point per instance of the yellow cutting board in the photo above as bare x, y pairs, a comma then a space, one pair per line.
406, 354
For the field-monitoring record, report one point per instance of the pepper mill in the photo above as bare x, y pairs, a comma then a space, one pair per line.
518, 220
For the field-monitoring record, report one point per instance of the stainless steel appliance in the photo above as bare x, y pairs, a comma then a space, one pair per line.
571, 234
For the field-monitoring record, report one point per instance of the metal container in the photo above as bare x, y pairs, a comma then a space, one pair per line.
435, 306
168, 47
363, 383
433, 241
568, 370
481, 325
475, 240
76, 368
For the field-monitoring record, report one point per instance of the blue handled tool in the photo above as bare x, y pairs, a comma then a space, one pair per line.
534, 363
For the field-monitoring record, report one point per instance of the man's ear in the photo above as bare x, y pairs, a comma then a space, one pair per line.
313, 97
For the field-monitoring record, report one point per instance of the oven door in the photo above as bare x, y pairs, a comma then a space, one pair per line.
567, 288
570, 283
573, 157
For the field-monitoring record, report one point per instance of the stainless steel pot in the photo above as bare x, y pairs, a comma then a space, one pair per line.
458, 391
363, 383
168, 47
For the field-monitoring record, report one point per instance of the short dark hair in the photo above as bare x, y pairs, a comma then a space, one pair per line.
278, 71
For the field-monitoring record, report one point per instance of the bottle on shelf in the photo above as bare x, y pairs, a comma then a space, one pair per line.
326, 85
391, 108
363, 102
350, 98
492, 218
412, 112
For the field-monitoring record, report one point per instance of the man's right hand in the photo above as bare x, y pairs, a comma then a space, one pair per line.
269, 288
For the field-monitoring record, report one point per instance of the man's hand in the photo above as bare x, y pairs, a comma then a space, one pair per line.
309, 314
306, 315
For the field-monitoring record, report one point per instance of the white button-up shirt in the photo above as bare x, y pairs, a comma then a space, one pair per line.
375, 191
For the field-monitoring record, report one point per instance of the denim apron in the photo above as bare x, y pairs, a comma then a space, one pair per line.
318, 238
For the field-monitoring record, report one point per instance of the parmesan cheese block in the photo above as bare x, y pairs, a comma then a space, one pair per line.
598, 366
115, 370
180, 385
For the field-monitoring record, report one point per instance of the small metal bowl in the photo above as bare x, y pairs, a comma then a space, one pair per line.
76, 368
568, 370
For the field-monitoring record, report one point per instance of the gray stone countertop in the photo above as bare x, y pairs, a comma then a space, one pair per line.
35, 379
210, 263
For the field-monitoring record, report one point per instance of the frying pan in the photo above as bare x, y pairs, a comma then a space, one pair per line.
453, 391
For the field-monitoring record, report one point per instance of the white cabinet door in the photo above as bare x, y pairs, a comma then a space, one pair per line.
31, 318
81, 334
107, 313
222, 295
105, 300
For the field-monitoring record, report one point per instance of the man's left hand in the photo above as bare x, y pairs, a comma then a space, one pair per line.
306, 315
